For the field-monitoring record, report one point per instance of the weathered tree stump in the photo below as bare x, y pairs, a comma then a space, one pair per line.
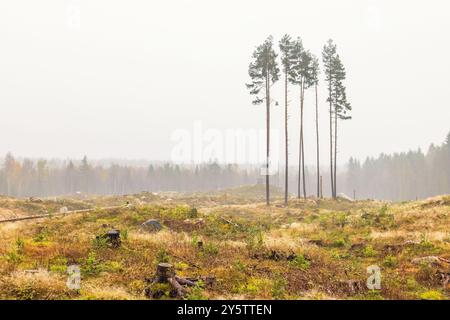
165, 275
113, 237
164, 271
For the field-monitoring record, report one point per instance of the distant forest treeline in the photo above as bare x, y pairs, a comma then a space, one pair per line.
401, 176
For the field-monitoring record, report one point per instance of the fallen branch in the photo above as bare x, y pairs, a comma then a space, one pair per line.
46, 215
230, 222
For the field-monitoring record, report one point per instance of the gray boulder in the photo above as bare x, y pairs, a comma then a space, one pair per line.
152, 225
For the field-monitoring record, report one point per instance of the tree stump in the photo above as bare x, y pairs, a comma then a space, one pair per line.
164, 271
166, 282
114, 238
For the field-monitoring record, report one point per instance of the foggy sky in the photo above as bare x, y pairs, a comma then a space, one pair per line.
115, 79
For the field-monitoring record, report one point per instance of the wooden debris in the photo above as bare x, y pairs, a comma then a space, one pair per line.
180, 290
445, 280
184, 281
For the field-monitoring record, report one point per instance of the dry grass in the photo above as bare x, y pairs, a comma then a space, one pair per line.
309, 250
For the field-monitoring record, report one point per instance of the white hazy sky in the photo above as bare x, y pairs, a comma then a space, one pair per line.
112, 78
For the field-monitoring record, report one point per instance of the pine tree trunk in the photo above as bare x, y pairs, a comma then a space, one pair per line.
302, 141
286, 178
300, 154
268, 137
317, 141
335, 152
331, 141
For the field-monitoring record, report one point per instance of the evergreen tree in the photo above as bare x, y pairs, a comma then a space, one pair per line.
339, 107
286, 62
328, 54
301, 76
264, 72
315, 79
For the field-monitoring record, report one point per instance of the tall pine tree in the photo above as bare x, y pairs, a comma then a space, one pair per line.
328, 55
264, 72
341, 107
301, 76
286, 46
314, 76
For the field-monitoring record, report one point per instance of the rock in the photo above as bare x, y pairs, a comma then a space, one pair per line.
63, 210
152, 225
426, 260
35, 200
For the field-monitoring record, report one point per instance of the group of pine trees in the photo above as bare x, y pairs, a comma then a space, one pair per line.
300, 69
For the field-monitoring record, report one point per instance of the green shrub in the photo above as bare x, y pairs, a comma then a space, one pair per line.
211, 249
255, 240
179, 212
59, 265
339, 243
20, 245
41, 236
255, 286
162, 256
91, 265
13, 256
383, 210
100, 241
369, 251
238, 265
432, 295
196, 292
390, 261
279, 288
300, 262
